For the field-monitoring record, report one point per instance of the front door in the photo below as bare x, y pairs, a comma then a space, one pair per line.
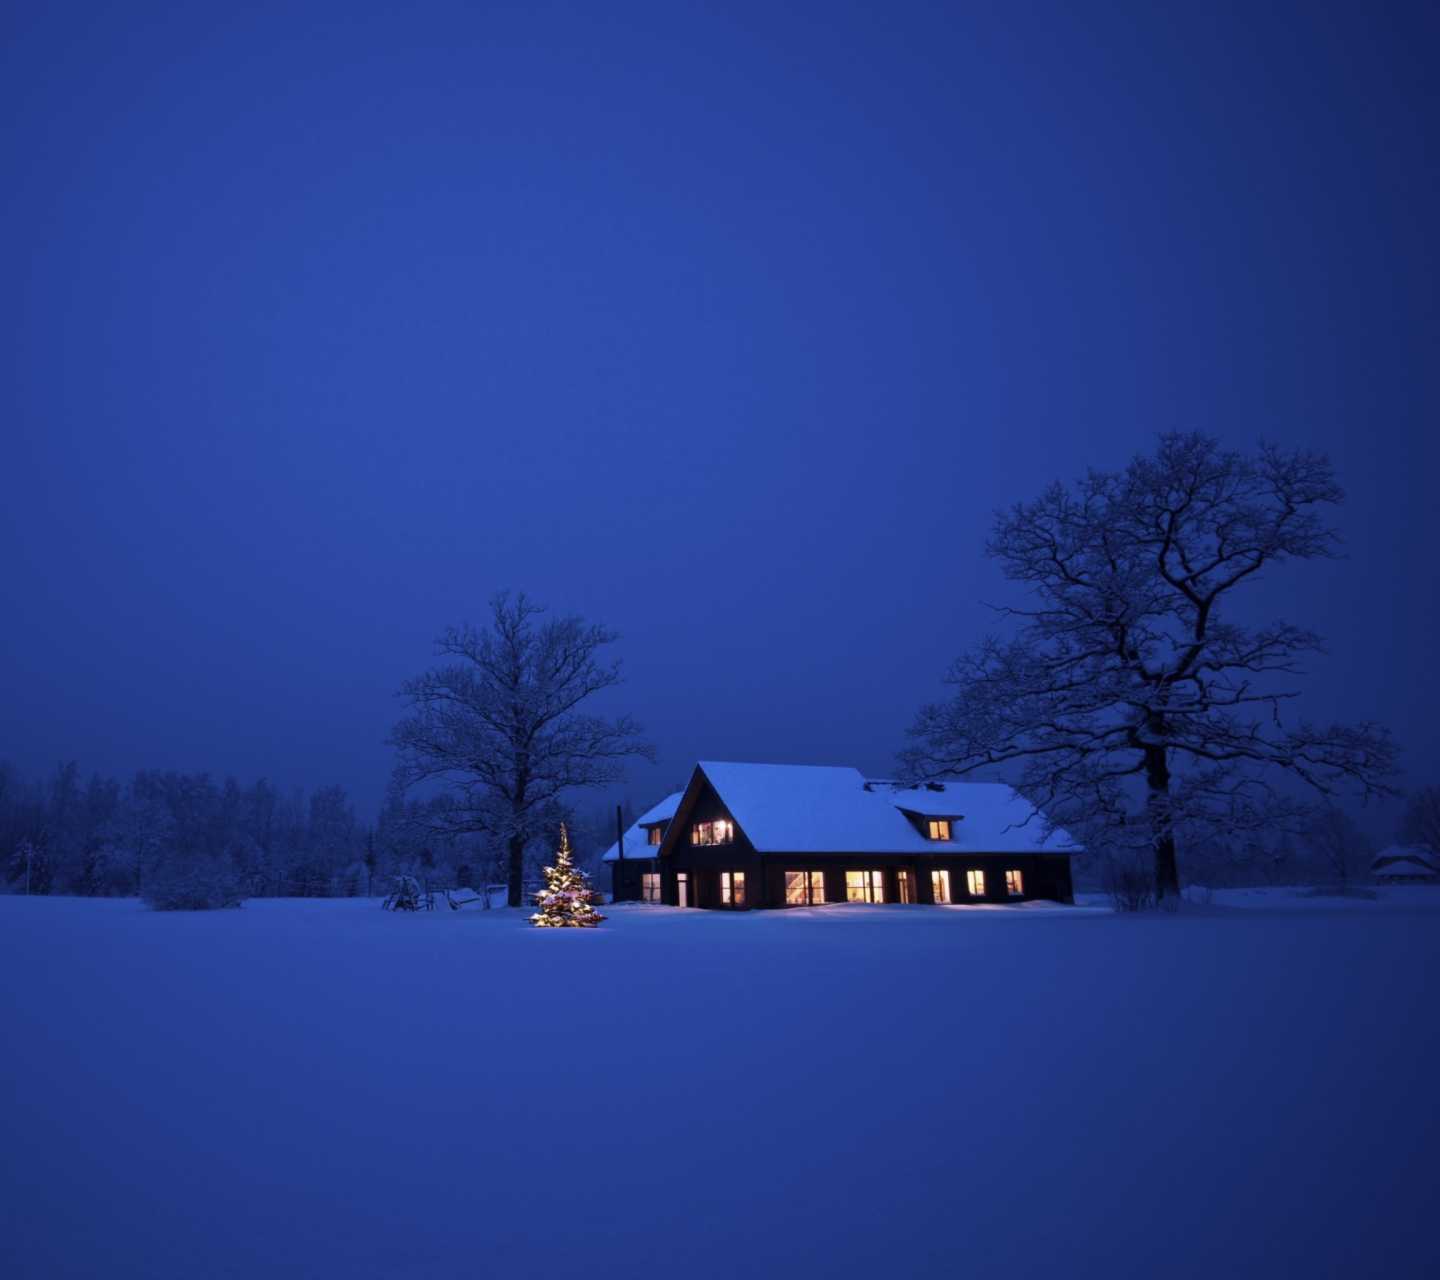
907, 885
682, 888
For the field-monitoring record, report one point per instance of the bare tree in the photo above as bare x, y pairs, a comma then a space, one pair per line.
1136, 708
1340, 850
500, 727
1420, 823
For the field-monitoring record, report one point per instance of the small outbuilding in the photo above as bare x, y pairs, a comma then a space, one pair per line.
1406, 864
748, 836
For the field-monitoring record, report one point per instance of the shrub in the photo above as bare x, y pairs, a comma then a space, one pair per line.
1129, 882
198, 883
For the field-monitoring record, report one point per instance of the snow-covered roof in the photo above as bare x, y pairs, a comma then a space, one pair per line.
786, 808
941, 800
1408, 852
637, 838
661, 812
1403, 866
1405, 860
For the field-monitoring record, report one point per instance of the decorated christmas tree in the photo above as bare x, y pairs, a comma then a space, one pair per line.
565, 901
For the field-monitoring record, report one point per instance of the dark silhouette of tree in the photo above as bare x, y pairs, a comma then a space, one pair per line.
1134, 705
105, 838
1420, 823
1340, 851
500, 727
142, 827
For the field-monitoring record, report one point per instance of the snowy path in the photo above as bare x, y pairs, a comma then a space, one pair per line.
320, 1089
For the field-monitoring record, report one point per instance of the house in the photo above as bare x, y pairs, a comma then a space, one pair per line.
1406, 864
744, 836
636, 876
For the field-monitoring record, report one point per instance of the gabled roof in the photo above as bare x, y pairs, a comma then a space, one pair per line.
637, 838
786, 808
1405, 860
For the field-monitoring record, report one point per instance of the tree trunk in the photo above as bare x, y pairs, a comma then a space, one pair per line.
1162, 828
1167, 876
517, 869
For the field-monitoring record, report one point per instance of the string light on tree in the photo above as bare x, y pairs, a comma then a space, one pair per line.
566, 900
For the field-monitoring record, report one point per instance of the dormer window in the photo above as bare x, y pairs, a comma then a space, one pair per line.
722, 832
939, 828
656, 836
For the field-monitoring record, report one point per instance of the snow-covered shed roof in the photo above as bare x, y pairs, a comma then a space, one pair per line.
1405, 860
786, 808
637, 838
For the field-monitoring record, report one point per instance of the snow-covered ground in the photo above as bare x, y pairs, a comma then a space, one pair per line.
320, 1089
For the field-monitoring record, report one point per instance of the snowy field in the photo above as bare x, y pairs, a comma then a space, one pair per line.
320, 1089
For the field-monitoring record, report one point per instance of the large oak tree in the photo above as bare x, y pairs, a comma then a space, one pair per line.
1134, 704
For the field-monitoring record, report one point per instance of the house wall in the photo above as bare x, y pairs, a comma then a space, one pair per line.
1045, 877
704, 863
625, 883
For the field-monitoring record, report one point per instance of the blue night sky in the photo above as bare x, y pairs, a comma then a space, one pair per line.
729, 325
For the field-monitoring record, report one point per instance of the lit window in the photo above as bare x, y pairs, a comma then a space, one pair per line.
656, 835
939, 828
732, 888
940, 885
975, 883
804, 888
1014, 885
713, 833
907, 885
864, 886
650, 886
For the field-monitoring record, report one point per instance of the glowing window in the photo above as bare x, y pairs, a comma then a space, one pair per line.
1014, 885
804, 888
656, 835
713, 833
939, 828
906, 880
864, 886
940, 885
732, 888
650, 886
975, 883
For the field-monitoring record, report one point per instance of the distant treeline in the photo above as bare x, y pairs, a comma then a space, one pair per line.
99, 837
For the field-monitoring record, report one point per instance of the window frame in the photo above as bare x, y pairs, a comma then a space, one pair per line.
940, 876
1014, 882
650, 885
871, 886
814, 882
936, 826
705, 835
975, 882
732, 889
